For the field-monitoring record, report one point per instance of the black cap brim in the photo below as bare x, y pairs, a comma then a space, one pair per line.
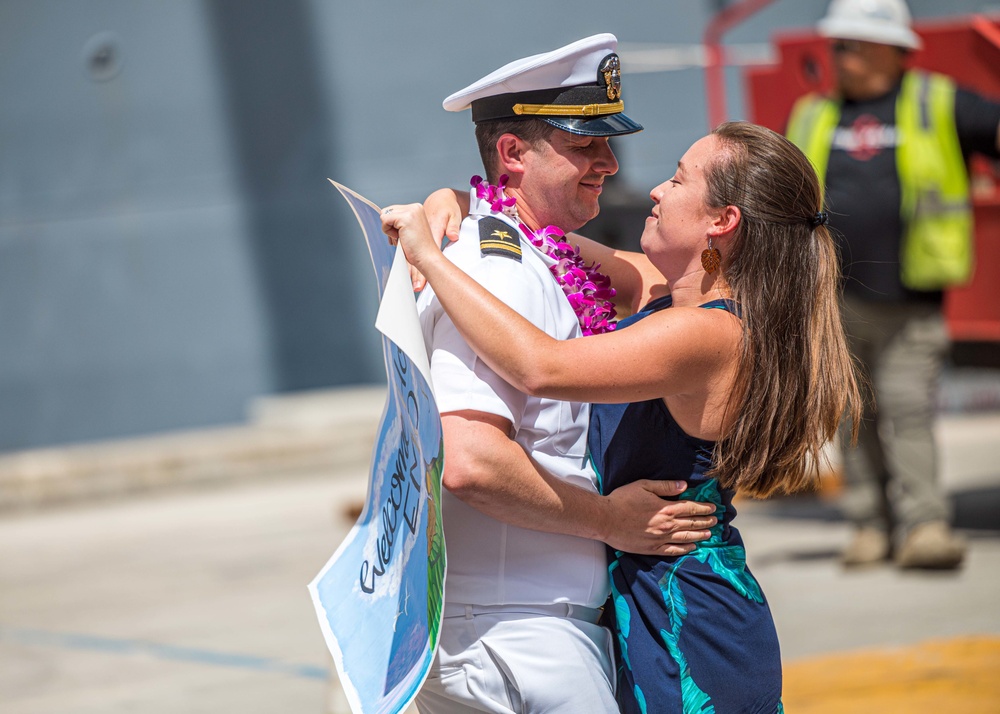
610, 125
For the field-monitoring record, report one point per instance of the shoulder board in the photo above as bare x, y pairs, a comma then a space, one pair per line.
498, 238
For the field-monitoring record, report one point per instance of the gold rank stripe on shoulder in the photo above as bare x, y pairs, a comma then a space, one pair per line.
493, 247
499, 239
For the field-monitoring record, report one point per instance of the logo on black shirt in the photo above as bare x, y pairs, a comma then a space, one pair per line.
865, 138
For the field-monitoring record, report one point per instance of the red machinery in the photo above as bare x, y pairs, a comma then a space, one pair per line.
967, 49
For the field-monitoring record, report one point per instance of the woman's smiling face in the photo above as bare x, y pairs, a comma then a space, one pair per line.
676, 230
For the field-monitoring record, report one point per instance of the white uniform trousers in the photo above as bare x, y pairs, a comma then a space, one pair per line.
520, 660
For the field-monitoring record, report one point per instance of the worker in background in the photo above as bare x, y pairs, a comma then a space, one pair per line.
892, 144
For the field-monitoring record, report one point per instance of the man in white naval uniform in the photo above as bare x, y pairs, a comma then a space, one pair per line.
524, 524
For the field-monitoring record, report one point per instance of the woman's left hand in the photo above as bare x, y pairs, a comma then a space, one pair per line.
407, 227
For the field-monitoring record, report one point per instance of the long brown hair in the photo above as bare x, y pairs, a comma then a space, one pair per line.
795, 378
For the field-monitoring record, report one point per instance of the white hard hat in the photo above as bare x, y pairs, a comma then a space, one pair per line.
886, 22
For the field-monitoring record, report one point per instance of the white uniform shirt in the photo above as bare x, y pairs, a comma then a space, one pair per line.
489, 562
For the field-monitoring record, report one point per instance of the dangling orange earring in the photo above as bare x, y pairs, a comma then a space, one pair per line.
711, 258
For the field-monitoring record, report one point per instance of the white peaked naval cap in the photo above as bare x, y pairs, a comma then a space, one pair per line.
576, 88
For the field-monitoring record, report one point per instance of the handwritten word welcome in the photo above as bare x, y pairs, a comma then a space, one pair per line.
404, 485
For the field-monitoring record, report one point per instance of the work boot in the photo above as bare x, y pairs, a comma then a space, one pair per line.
931, 546
868, 546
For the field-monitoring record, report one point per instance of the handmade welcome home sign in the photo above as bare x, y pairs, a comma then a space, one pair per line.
379, 599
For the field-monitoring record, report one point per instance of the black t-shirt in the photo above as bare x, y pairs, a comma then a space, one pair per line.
863, 192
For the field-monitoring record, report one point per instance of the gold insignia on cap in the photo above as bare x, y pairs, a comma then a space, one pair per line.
611, 68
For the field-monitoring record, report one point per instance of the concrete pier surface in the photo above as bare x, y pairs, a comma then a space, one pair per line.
193, 599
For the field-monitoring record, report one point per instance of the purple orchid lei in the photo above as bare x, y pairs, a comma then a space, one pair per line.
589, 292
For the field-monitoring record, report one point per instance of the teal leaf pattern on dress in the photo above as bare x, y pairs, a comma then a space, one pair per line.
623, 617
695, 700
623, 626
640, 698
729, 563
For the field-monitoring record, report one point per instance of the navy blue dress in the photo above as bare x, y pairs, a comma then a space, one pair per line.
693, 633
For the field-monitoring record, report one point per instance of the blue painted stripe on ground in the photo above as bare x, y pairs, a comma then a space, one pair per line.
177, 653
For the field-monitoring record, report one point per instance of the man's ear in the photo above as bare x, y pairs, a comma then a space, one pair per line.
724, 222
511, 150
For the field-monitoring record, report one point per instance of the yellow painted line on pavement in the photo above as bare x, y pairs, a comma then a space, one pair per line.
956, 675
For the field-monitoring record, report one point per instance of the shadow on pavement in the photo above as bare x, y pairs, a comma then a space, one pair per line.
975, 508
808, 506
977, 513
978, 509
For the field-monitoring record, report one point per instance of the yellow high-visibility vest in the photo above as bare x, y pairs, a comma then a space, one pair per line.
937, 248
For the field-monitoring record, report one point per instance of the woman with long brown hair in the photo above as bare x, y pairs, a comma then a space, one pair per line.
732, 381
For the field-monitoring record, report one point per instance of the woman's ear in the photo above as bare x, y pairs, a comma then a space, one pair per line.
724, 221
511, 150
